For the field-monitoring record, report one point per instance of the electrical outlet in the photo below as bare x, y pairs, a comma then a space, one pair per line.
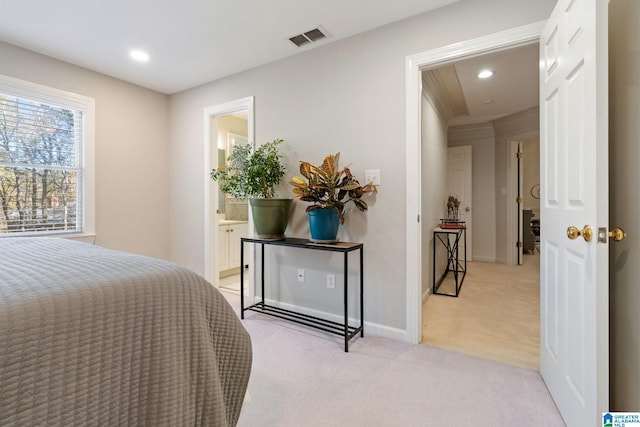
372, 175
300, 275
331, 281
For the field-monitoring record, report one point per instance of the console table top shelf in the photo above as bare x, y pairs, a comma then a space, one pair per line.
306, 243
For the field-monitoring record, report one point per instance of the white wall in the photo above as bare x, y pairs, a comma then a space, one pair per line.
434, 185
347, 96
624, 157
131, 144
482, 140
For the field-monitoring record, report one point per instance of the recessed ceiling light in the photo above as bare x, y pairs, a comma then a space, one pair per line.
485, 74
139, 55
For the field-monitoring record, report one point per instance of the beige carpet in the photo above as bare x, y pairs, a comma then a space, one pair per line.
496, 316
303, 378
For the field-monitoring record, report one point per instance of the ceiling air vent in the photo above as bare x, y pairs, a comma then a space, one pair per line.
308, 37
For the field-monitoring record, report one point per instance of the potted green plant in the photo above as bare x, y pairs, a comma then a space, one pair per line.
329, 188
254, 174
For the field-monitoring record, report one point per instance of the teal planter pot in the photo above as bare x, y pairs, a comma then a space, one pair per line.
323, 225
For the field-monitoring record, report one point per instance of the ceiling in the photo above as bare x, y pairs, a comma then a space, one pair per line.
190, 42
513, 88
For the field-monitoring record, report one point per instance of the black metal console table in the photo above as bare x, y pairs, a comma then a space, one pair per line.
450, 238
342, 329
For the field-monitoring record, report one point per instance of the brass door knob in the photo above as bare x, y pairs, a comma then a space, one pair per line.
586, 233
467, 209
617, 234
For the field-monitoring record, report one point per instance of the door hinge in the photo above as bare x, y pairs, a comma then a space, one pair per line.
418, 217
519, 245
518, 200
519, 155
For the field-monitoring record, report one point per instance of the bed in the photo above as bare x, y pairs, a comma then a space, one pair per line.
96, 337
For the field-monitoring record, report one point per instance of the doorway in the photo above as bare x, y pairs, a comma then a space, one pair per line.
415, 64
225, 125
484, 320
523, 192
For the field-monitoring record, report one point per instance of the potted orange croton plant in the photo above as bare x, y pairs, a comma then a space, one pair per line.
329, 188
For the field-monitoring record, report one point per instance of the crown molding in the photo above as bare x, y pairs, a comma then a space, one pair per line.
442, 87
521, 122
470, 132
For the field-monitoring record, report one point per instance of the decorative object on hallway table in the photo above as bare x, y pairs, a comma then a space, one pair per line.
452, 223
254, 174
329, 189
453, 207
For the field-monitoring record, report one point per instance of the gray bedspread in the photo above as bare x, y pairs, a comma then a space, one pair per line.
95, 337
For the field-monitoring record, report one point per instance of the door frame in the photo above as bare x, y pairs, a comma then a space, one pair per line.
514, 227
211, 271
512, 190
414, 65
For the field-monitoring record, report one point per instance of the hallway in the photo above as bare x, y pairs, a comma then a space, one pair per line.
496, 316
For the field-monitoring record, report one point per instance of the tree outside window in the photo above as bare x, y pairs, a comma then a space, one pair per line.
40, 167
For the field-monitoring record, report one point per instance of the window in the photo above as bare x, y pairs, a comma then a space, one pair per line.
46, 160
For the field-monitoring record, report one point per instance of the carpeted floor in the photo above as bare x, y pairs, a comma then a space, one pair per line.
302, 377
496, 316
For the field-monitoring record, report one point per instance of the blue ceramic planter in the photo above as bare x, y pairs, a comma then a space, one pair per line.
323, 225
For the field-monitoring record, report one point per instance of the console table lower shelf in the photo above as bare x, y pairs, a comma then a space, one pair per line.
342, 329
306, 320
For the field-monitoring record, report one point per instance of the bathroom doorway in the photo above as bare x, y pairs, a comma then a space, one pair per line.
227, 219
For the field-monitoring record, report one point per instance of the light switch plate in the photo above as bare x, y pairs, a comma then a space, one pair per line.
372, 175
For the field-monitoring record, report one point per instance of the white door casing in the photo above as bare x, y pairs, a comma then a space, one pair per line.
459, 182
518, 202
514, 209
574, 358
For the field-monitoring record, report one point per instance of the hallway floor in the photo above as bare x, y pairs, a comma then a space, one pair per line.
496, 316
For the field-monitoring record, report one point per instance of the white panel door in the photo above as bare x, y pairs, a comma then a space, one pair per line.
574, 358
459, 184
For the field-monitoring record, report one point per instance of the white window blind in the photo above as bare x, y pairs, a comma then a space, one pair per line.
41, 163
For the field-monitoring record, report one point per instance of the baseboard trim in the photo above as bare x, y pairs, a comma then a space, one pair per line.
483, 258
425, 295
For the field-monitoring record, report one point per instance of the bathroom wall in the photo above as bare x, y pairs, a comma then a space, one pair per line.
234, 209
